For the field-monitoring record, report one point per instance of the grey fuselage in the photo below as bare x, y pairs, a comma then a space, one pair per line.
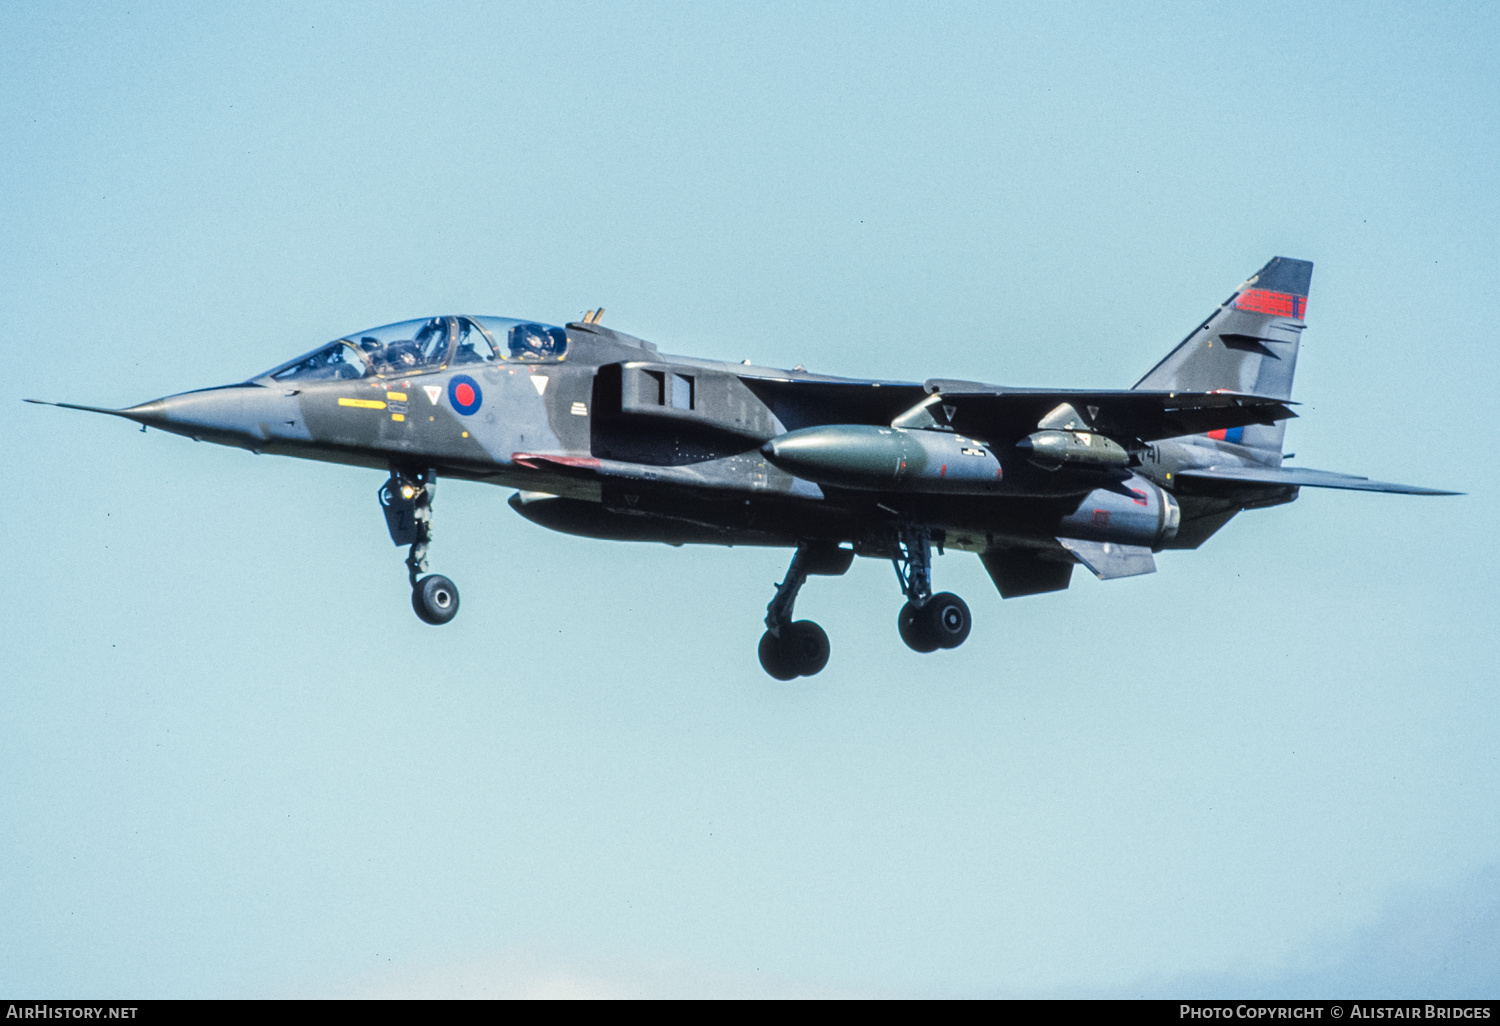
610, 439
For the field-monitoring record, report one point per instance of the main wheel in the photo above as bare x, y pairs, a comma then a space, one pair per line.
948, 619
808, 645
776, 657
914, 628
801, 651
435, 599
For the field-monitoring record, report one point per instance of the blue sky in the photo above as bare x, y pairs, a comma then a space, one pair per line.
235, 764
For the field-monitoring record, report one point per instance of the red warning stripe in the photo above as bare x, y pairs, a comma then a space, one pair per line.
1277, 304
529, 460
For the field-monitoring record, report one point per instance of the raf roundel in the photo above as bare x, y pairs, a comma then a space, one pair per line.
464, 394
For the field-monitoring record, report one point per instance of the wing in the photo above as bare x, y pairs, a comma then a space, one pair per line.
996, 412
1303, 477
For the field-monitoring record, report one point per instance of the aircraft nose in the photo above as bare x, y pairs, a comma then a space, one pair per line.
242, 415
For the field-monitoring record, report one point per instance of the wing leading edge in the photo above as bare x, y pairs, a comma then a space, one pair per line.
998, 413
992, 411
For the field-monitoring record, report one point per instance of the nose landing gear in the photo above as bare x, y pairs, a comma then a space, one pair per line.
407, 501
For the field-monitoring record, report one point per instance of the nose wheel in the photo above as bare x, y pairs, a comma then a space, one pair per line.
435, 599
407, 502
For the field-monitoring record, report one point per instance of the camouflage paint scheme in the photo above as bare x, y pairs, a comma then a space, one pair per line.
604, 436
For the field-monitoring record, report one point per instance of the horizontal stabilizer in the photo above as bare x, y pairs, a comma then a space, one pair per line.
1108, 560
1303, 477
995, 412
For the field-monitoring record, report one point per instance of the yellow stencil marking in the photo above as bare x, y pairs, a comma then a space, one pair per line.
400, 397
398, 416
363, 404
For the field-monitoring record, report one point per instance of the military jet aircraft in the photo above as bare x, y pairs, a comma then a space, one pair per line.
603, 436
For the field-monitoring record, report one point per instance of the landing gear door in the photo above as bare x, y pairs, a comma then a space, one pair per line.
400, 515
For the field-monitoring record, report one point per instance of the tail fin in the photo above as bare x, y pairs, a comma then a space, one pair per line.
1249, 344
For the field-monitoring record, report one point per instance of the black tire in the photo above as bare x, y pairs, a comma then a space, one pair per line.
914, 629
776, 657
807, 646
435, 599
948, 619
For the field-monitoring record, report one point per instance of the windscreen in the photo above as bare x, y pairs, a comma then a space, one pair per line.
334, 362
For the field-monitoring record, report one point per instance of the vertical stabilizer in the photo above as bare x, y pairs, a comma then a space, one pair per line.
1249, 344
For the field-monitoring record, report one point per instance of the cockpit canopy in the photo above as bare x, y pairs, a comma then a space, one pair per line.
422, 346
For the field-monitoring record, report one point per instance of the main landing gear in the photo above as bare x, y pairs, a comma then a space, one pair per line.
799, 648
407, 501
927, 622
